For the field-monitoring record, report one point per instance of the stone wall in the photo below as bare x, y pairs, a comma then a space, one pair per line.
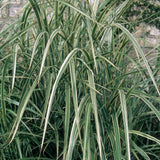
9, 10
150, 33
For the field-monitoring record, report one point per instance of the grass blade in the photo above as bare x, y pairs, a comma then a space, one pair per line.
91, 42
150, 105
147, 136
19, 147
16, 36
117, 136
76, 9
54, 33
125, 121
108, 61
74, 94
74, 130
15, 64
136, 45
140, 151
86, 131
95, 6
94, 106
46, 99
67, 120
35, 47
22, 108
61, 71
3, 105
36, 9
121, 7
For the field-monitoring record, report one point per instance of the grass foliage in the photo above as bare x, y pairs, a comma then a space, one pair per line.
75, 84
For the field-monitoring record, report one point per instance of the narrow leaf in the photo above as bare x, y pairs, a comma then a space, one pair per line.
94, 106
117, 136
14, 67
22, 108
125, 121
140, 151
86, 131
54, 33
55, 85
136, 45
35, 47
150, 105
74, 130
147, 136
67, 120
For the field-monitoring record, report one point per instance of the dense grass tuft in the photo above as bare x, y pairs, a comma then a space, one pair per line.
73, 87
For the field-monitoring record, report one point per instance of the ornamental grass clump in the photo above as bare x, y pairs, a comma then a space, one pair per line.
69, 88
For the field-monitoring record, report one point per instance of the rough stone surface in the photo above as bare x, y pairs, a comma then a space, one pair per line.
10, 8
4, 12
13, 11
150, 33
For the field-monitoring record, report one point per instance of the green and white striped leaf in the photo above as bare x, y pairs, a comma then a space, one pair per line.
125, 122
